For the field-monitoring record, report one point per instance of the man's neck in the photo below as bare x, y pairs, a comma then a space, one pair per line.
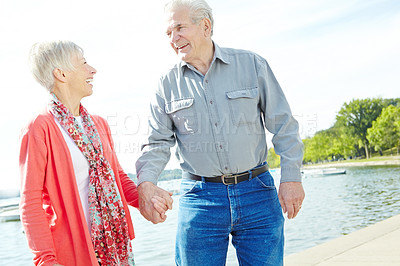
204, 63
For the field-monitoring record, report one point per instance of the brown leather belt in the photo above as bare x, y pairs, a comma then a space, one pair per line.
230, 179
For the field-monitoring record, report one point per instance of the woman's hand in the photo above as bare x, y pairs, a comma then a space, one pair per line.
160, 204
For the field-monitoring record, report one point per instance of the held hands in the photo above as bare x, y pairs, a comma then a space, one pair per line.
154, 202
291, 196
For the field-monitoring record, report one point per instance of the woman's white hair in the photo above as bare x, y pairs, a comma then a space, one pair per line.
199, 9
44, 57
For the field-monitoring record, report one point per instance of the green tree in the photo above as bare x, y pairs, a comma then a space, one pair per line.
357, 116
342, 145
391, 101
308, 150
315, 148
385, 131
328, 144
273, 159
345, 138
323, 140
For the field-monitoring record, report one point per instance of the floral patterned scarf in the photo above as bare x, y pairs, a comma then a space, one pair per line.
109, 228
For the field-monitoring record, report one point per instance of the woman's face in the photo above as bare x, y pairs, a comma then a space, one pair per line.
80, 80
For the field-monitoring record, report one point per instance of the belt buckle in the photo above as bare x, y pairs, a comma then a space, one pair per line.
229, 176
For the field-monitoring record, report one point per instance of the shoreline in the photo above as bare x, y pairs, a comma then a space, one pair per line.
377, 161
376, 244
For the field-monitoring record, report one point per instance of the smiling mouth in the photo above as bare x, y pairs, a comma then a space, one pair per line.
182, 46
89, 81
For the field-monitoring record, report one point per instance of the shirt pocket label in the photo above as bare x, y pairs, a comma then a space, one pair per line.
243, 106
183, 114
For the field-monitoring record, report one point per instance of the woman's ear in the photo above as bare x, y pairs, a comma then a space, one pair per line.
59, 75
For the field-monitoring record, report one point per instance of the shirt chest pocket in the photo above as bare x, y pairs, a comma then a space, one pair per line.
183, 114
243, 106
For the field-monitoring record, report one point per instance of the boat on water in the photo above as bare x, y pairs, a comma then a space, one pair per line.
9, 215
9, 210
333, 171
170, 185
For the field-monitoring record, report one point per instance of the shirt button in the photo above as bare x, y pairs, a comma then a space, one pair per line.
211, 102
226, 168
220, 146
206, 80
216, 124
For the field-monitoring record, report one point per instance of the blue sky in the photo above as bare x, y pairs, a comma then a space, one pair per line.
323, 53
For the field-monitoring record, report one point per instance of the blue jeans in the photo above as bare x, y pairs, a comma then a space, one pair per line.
249, 211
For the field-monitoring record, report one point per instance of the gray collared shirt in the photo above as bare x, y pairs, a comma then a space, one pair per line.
219, 119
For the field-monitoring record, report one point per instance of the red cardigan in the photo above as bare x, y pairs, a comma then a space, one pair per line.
51, 211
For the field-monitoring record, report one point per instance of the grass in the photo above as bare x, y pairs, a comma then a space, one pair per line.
389, 152
375, 158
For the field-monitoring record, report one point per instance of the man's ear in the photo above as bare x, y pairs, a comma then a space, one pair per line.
207, 27
59, 75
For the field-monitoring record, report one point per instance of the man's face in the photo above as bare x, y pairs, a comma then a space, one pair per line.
187, 39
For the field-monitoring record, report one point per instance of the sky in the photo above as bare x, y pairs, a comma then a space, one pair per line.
323, 53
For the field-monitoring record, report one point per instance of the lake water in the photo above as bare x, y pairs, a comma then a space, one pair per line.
334, 206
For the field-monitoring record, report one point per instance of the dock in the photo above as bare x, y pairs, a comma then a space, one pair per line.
375, 245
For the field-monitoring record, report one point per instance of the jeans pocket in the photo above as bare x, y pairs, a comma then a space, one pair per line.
266, 180
189, 186
266, 186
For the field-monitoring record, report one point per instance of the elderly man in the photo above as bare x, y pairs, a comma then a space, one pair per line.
216, 104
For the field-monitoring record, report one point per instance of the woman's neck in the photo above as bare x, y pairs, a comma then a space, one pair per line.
68, 100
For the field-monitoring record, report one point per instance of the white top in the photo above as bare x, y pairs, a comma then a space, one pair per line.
81, 169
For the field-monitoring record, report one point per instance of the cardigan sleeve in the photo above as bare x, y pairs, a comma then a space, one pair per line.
32, 163
129, 188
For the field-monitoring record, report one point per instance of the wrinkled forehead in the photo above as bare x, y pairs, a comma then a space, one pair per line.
177, 17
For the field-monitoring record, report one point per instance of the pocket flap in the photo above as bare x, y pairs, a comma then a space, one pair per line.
177, 105
243, 93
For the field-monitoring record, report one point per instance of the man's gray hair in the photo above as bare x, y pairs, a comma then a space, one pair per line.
199, 9
44, 57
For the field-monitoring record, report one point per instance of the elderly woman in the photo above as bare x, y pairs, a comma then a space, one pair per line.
74, 193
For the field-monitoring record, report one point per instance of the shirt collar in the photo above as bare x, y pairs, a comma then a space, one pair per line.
221, 56
217, 55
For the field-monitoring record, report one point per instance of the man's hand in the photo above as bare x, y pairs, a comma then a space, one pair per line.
154, 202
291, 196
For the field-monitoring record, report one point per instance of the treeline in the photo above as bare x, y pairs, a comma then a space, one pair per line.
361, 126
165, 175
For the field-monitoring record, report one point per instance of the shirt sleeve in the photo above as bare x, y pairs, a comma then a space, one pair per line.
156, 151
280, 122
32, 162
